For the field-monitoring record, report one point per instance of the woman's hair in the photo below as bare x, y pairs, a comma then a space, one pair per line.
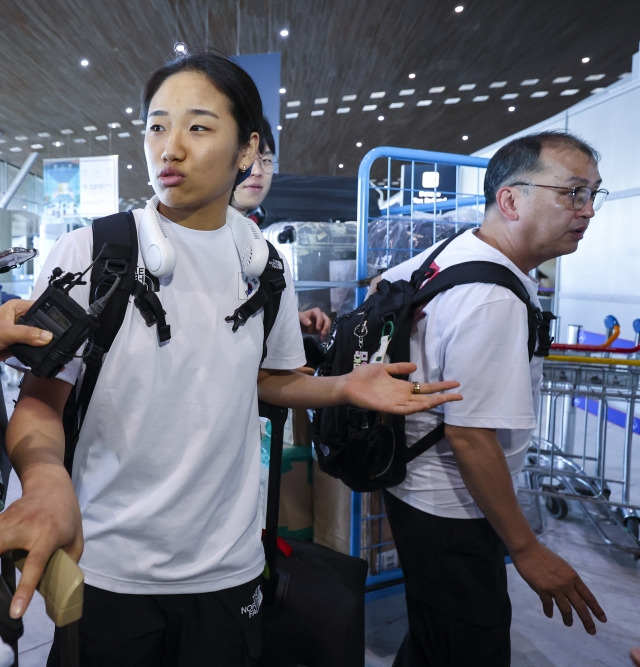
522, 156
228, 77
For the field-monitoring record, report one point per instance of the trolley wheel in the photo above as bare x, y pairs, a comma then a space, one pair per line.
632, 524
557, 507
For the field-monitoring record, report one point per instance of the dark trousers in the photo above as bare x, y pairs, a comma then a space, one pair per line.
456, 589
219, 629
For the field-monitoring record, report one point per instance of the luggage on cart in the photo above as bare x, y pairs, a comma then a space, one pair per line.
319, 251
314, 605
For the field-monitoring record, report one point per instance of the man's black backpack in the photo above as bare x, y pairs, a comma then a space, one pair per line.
367, 449
115, 254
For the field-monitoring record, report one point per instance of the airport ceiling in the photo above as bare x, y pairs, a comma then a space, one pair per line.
468, 68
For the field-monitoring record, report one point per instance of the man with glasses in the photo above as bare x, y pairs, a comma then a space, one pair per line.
247, 199
457, 510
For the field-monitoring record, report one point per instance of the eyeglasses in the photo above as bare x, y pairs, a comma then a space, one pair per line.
267, 164
580, 197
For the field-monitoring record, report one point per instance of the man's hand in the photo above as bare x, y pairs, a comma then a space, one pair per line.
10, 332
555, 581
371, 386
314, 321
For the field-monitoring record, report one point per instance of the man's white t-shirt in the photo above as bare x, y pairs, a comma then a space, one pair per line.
167, 467
476, 334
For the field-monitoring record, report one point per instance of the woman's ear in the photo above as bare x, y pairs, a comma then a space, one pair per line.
249, 152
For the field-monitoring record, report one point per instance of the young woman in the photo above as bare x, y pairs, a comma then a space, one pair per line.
164, 503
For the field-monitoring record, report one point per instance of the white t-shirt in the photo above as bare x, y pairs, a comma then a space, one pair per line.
167, 467
476, 334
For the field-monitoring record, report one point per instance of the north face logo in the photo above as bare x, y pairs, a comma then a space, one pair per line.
253, 608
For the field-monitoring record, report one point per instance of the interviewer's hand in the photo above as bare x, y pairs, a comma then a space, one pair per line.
10, 332
371, 386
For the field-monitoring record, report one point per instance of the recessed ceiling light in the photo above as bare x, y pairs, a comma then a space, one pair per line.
412, 75
467, 86
321, 100
128, 110
452, 100
570, 91
89, 128
465, 137
129, 166
529, 82
561, 79
57, 144
380, 118
291, 115
511, 109
349, 98
113, 126
282, 91
436, 89
341, 166
284, 33
358, 144
396, 105
459, 9
378, 95
407, 91
294, 103
424, 103
279, 127
84, 62
480, 98
585, 60
498, 84
540, 93
317, 112
343, 109
369, 107
180, 49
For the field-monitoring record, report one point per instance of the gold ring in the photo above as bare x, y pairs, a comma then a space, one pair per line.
416, 388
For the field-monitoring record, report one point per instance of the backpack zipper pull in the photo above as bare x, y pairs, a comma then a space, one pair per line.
381, 356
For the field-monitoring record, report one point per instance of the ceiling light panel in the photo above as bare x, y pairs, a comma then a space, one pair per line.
291, 115
452, 100
369, 107
561, 79
529, 82
540, 93
466, 86
396, 105
480, 98
293, 103
407, 91
343, 109
498, 84
378, 95
594, 77
349, 98
321, 100
570, 91
317, 112
436, 89
424, 103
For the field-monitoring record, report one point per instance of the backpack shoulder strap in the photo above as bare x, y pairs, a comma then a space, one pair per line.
115, 254
268, 296
482, 272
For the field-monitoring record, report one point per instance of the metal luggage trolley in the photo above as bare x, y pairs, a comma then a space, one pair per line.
582, 449
424, 196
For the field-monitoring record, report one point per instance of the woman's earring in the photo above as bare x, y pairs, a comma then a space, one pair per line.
243, 168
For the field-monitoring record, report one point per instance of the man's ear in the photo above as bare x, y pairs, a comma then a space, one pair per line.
507, 199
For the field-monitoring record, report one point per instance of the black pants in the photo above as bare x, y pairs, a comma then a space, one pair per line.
219, 629
456, 588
